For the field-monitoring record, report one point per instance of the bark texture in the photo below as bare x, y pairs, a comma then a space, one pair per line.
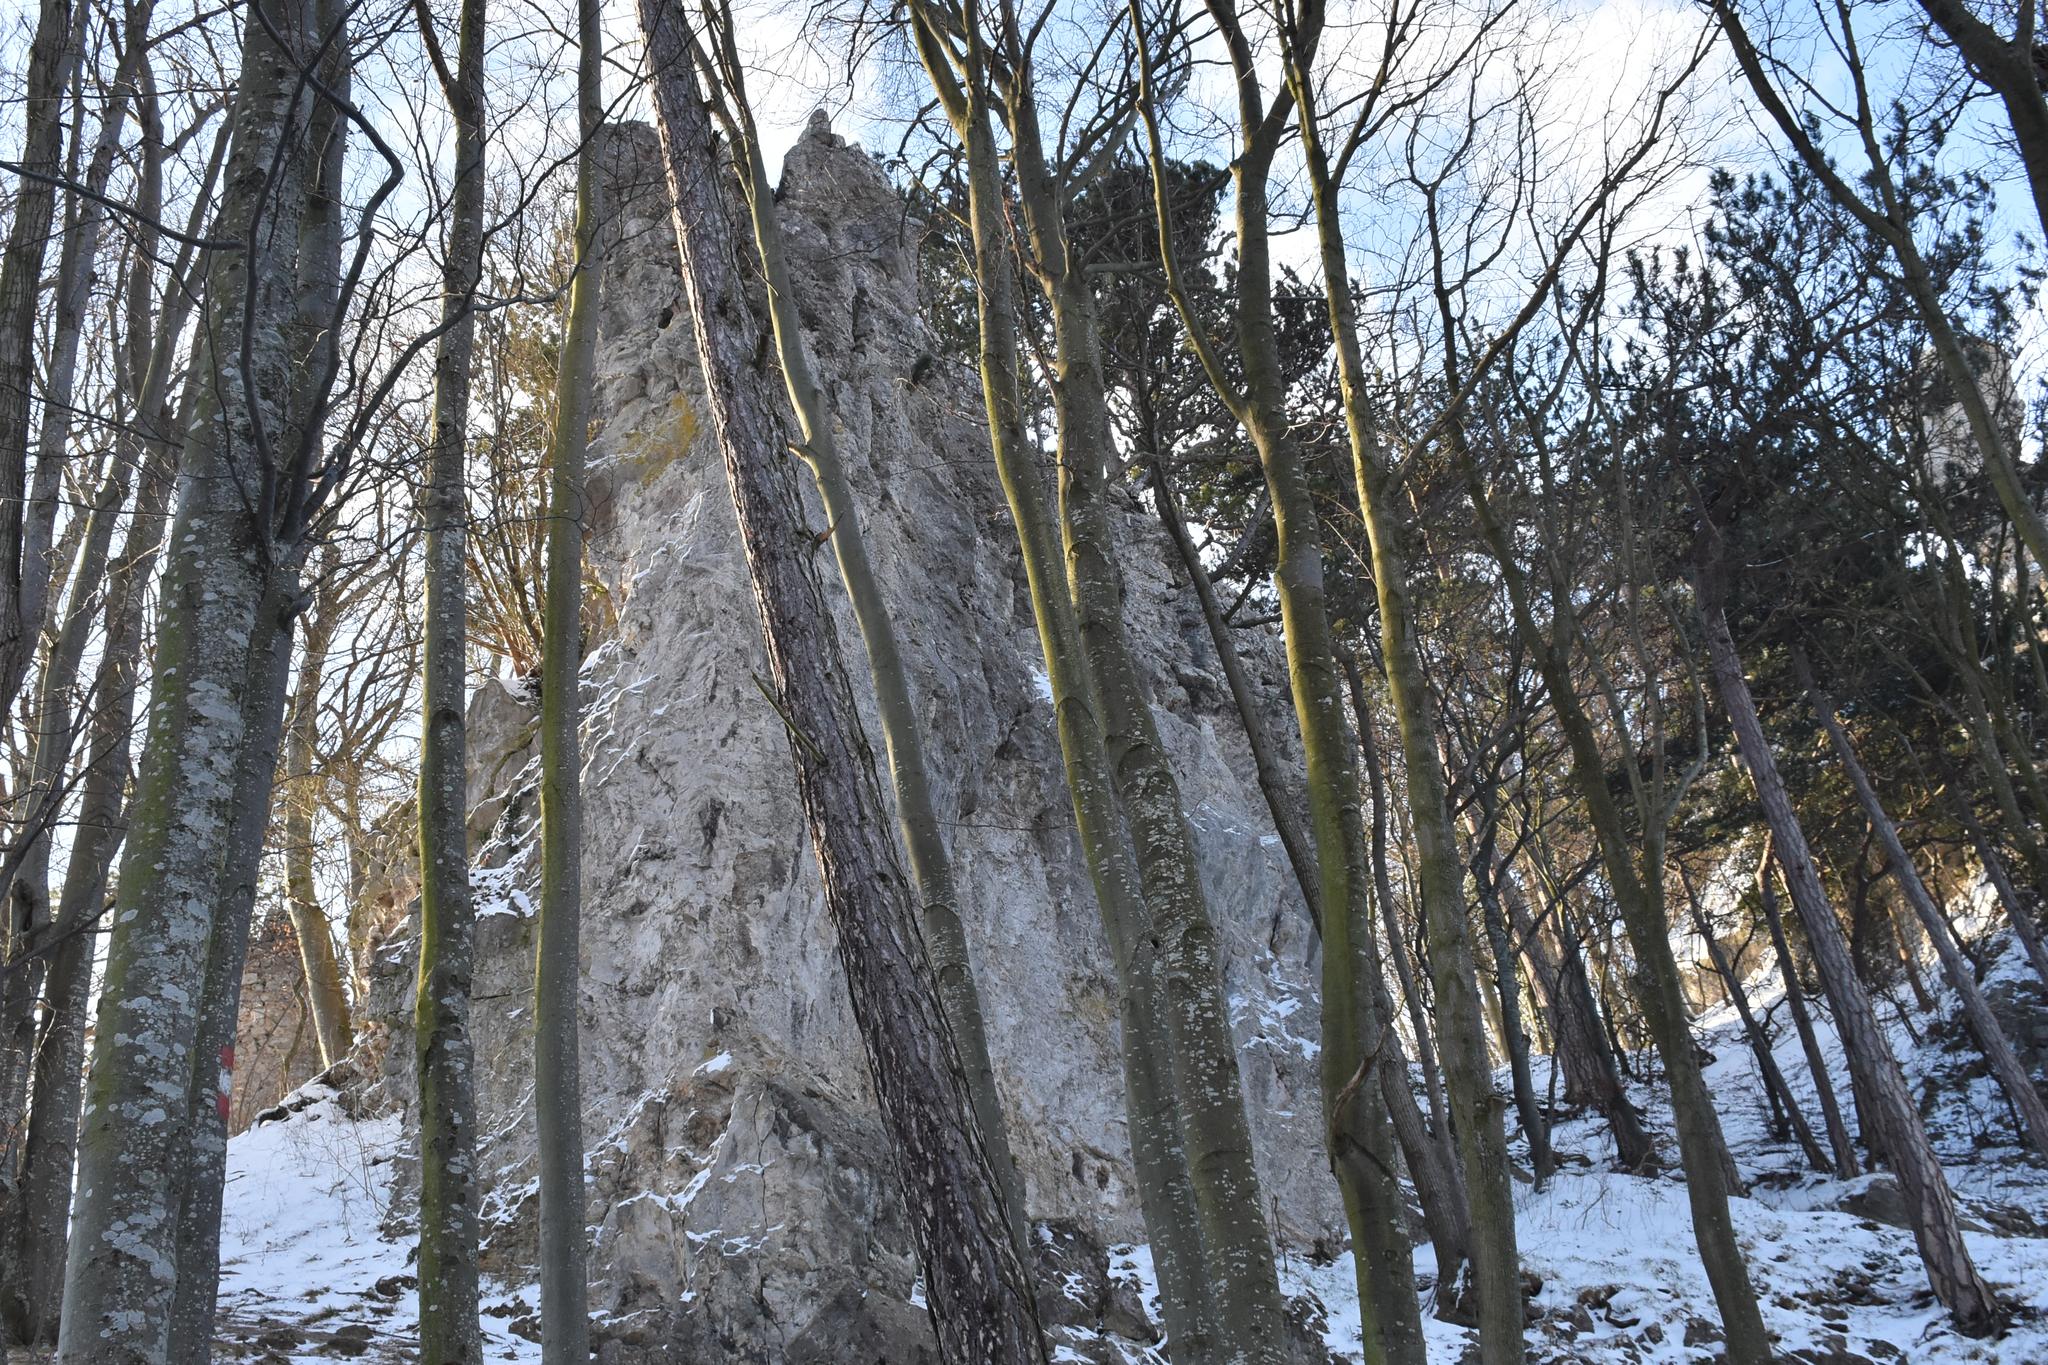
1880, 1085
1961, 975
444, 1052
558, 966
226, 603
928, 860
980, 1299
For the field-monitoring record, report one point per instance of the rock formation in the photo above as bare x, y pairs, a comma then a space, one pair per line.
740, 1191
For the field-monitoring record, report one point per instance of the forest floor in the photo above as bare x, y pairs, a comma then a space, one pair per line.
313, 1271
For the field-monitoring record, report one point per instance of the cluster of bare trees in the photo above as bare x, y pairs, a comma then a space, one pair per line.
1639, 539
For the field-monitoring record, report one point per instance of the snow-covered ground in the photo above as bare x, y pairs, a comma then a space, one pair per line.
314, 1266
311, 1266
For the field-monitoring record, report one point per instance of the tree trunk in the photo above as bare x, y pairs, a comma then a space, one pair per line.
444, 1054
35, 812
1430, 1152
209, 1091
38, 1223
1487, 874
2006, 1065
1273, 783
1358, 1131
1583, 1051
25, 568
2010, 68
326, 999
924, 843
1160, 1162
980, 1298
557, 1080
1360, 1135
219, 625
317, 272
1635, 874
52, 56
2017, 913
1390, 918
144, 443
1847, 1167
1780, 1093
1929, 1204
1214, 1131
1476, 1109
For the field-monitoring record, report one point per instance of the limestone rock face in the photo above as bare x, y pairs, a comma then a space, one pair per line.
742, 1193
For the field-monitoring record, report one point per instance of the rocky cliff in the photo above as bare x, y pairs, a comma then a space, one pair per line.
741, 1194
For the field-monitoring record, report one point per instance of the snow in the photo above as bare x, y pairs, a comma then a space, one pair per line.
311, 1265
314, 1256
496, 892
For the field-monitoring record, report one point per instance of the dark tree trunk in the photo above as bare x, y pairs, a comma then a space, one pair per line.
1487, 874
2006, 1065
980, 1299
1839, 1141
1782, 1101
1929, 1204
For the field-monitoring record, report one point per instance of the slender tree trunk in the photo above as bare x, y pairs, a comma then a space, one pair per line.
1431, 1155
1476, 1109
2017, 913
25, 567
24, 573
1433, 1166
1214, 1130
1635, 873
1780, 1093
75, 274
1159, 1160
1273, 783
326, 1000
980, 1298
1846, 1165
1359, 1131
1515, 1037
220, 624
1929, 1204
52, 1144
145, 443
557, 1081
37, 806
1487, 874
82, 551
1390, 918
2006, 1065
929, 862
1583, 1051
1360, 1136
444, 1053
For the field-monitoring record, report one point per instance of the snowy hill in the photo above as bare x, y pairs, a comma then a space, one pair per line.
315, 1253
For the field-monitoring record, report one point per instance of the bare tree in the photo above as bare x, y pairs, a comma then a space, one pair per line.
980, 1297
